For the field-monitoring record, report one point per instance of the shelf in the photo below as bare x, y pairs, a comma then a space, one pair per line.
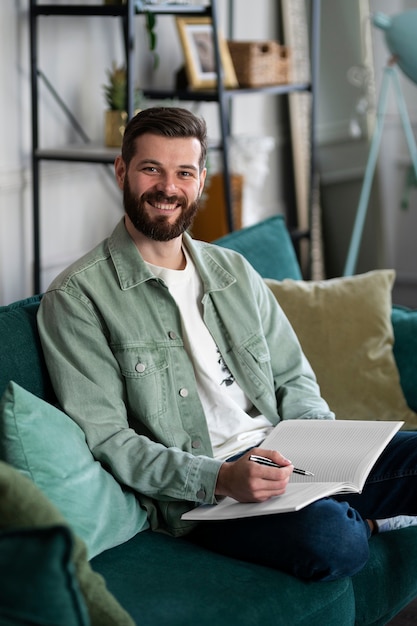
93, 153
212, 96
96, 10
87, 153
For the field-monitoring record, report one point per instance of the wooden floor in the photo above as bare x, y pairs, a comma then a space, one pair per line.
407, 617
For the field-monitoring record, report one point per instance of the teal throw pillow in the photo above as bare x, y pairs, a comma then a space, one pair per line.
267, 246
38, 581
404, 323
50, 448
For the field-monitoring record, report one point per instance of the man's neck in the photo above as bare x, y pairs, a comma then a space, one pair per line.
168, 254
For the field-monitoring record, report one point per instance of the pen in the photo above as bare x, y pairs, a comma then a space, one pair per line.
263, 460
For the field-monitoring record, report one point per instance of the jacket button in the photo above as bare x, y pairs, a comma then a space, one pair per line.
196, 444
172, 334
201, 494
184, 392
140, 367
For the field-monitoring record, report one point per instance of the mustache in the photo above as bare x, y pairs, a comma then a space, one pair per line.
160, 196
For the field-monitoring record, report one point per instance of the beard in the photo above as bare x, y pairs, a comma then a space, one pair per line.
158, 228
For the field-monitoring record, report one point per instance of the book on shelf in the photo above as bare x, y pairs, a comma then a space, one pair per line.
340, 454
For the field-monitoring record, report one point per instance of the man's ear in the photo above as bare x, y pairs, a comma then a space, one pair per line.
202, 181
120, 171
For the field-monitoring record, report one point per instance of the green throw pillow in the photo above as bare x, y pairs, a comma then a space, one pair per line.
50, 448
23, 505
38, 581
271, 235
344, 327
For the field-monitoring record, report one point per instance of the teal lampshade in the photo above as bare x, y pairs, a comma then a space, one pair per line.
401, 38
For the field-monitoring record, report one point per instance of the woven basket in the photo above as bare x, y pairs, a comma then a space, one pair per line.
260, 63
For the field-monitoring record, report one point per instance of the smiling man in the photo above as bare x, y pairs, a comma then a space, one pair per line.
176, 360
160, 193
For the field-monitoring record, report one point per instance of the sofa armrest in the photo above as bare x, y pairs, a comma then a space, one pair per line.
404, 322
21, 357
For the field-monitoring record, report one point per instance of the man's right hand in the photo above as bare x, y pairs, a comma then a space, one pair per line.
247, 481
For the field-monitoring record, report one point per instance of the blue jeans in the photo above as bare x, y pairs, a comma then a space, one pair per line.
328, 539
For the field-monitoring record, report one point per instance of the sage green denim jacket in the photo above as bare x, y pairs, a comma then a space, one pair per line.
111, 335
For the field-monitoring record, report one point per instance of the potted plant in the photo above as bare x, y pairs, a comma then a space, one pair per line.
115, 95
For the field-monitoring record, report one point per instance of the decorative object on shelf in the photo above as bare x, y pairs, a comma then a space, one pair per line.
362, 78
196, 35
401, 41
116, 115
150, 24
260, 63
114, 127
210, 222
250, 157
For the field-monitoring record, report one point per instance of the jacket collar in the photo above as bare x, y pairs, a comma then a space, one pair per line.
132, 270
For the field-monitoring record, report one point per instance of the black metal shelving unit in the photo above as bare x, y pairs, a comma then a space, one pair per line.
88, 153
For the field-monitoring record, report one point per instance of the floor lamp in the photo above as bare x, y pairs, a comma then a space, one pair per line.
400, 35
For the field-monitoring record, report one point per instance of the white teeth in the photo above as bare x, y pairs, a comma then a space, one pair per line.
165, 207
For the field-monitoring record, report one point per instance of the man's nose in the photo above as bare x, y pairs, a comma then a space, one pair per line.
168, 184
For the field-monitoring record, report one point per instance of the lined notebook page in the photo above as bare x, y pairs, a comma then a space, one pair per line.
334, 450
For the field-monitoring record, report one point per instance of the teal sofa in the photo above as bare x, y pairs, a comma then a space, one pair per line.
160, 580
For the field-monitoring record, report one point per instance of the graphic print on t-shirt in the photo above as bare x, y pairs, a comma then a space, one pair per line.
230, 378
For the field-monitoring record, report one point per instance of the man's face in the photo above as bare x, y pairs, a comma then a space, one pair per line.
162, 186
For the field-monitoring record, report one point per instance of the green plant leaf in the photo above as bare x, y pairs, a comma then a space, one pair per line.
150, 20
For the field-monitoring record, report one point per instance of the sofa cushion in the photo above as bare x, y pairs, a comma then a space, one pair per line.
38, 582
388, 582
23, 505
404, 321
50, 448
267, 246
344, 326
177, 583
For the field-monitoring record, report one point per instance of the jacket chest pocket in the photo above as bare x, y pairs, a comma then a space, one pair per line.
145, 371
256, 360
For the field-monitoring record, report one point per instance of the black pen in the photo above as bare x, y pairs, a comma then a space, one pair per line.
263, 460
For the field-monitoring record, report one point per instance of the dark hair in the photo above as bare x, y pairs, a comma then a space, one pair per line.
167, 122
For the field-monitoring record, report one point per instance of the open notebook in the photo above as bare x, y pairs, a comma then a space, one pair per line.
340, 454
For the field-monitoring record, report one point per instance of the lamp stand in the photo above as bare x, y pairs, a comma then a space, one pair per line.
390, 74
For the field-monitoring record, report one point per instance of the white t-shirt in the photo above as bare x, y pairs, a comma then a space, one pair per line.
233, 422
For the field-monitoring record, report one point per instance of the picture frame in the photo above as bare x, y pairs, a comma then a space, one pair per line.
196, 36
